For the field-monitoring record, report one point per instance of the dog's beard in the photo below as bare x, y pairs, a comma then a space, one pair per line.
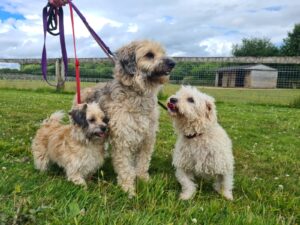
94, 134
159, 72
179, 112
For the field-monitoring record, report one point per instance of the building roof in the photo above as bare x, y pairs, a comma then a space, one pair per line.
259, 67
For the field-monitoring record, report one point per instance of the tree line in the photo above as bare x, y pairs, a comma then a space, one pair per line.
264, 47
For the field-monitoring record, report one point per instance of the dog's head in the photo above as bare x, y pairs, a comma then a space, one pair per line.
143, 62
91, 119
190, 106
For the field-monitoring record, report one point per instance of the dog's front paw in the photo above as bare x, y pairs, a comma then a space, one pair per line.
228, 195
79, 181
130, 189
131, 194
186, 195
225, 193
144, 177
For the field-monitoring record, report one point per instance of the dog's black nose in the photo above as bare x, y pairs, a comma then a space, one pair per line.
170, 62
103, 128
173, 100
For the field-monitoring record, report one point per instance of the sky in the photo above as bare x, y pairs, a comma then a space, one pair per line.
183, 27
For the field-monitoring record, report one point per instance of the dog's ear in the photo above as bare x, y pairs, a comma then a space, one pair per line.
79, 116
127, 59
209, 109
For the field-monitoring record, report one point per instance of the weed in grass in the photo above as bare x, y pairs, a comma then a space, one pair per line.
296, 102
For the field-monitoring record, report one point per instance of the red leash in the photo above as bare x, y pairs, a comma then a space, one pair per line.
77, 69
50, 25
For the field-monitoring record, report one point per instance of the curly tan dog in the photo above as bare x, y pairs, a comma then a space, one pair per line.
203, 147
130, 101
78, 147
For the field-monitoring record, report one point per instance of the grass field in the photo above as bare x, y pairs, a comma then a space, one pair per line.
266, 140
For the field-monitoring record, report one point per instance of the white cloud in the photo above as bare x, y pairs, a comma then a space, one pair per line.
185, 28
216, 47
132, 28
179, 53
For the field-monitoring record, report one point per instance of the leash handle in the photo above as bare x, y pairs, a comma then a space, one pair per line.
77, 64
58, 3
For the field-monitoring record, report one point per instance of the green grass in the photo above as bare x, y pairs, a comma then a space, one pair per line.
244, 95
266, 140
39, 85
296, 102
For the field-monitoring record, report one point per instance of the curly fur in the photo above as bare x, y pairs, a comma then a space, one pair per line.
77, 147
130, 100
203, 147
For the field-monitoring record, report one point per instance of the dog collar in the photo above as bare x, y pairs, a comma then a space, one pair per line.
193, 135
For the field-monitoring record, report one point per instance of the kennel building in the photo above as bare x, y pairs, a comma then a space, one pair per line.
249, 76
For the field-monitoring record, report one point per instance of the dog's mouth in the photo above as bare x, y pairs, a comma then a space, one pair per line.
100, 134
161, 73
172, 107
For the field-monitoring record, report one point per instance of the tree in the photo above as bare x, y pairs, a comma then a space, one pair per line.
291, 44
255, 47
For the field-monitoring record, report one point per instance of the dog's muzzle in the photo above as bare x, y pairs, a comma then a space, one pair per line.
172, 105
165, 67
101, 132
170, 63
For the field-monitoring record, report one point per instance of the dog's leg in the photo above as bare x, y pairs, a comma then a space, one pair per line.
76, 177
187, 184
143, 158
41, 159
123, 166
224, 185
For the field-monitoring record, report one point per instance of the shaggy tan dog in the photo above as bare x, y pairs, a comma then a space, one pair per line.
130, 101
203, 148
78, 147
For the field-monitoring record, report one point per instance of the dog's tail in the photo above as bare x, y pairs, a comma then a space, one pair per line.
55, 118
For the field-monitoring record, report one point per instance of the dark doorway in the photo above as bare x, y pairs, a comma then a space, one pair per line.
220, 79
240, 79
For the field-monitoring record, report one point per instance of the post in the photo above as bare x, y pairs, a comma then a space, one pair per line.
59, 75
217, 79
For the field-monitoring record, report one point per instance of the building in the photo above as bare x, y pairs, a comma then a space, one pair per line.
249, 76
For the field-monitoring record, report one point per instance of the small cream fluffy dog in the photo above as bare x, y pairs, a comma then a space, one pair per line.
77, 147
203, 147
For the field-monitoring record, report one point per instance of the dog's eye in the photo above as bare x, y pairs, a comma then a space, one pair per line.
92, 120
190, 99
105, 120
149, 55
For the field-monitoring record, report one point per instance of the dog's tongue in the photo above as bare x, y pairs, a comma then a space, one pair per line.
171, 106
100, 134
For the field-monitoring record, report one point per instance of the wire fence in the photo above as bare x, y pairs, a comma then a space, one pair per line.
272, 73
219, 73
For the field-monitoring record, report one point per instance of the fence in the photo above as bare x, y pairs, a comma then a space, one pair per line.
239, 73
248, 72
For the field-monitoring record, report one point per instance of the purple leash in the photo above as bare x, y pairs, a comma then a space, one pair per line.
50, 24
94, 34
50, 13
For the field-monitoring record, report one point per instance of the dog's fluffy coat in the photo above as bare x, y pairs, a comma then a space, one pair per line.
77, 147
130, 100
203, 147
